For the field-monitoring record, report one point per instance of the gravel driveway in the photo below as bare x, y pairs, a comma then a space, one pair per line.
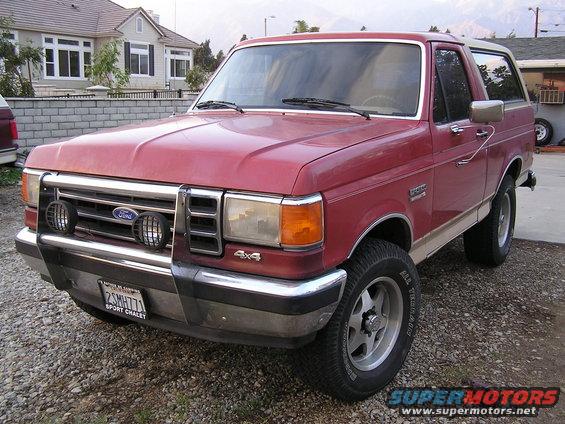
497, 327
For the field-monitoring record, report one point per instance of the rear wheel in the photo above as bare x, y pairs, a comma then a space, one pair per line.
367, 339
488, 242
101, 315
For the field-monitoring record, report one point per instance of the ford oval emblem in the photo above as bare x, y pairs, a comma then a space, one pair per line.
125, 214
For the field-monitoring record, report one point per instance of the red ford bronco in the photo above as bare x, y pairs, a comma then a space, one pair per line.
290, 205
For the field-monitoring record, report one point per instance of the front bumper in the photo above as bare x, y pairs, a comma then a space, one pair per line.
203, 302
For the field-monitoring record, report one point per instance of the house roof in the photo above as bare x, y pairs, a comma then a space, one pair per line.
534, 48
83, 18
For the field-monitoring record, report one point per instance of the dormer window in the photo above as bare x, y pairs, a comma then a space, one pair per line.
139, 24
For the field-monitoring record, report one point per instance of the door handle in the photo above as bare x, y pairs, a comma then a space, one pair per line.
482, 133
456, 129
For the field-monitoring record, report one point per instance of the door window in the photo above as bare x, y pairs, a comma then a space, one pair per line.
499, 77
454, 91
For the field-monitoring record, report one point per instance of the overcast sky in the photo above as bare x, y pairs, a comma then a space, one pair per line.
224, 21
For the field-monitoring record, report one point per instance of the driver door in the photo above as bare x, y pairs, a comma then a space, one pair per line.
458, 188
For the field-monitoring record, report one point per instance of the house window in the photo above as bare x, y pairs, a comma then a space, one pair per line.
139, 24
66, 58
179, 63
87, 58
12, 36
139, 59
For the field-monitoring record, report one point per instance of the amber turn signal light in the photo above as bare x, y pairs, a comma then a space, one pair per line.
25, 192
30, 187
302, 225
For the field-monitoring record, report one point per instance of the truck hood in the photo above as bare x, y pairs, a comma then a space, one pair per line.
261, 152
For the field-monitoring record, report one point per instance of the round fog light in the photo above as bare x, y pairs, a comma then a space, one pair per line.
152, 230
61, 216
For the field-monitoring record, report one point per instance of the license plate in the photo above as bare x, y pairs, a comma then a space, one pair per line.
123, 300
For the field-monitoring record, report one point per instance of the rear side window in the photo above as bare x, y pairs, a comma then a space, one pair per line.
451, 80
499, 77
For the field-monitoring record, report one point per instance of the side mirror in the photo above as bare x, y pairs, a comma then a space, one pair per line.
485, 111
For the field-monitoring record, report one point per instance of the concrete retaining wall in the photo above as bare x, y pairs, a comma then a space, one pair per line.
47, 120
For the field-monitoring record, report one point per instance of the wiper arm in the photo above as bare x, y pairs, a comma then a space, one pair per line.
311, 101
215, 104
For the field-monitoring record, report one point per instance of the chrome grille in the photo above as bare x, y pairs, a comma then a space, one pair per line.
95, 211
203, 221
96, 198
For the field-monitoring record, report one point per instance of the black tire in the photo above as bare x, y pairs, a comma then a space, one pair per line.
326, 363
544, 132
102, 315
481, 241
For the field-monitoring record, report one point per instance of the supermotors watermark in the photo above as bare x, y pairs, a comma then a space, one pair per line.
470, 401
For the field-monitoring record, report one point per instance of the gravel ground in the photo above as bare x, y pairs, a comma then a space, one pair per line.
496, 327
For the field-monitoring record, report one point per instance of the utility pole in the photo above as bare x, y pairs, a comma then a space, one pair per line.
536, 13
537, 20
268, 17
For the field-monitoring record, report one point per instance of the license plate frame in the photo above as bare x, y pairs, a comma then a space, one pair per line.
121, 299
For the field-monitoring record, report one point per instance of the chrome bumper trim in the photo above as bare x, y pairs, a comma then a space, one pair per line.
271, 286
118, 187
105, 250
156, 263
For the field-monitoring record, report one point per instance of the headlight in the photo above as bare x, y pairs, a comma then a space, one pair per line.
30, 187
274, 221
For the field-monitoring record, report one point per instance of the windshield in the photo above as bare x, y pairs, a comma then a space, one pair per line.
377, 77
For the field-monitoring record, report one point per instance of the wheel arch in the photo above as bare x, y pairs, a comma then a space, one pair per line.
395, 228
514, 168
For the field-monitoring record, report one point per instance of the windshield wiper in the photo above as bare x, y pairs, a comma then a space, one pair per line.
311, 101
216, 104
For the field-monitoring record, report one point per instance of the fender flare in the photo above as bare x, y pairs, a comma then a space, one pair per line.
380, 221
510, 163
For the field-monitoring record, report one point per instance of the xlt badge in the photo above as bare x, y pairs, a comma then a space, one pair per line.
418, 192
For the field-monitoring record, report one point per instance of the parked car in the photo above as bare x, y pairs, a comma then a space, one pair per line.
8, 134
289, 206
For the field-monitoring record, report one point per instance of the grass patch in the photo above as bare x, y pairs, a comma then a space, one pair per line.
250, 409
100, 419
144, 416
9, 176
182, 406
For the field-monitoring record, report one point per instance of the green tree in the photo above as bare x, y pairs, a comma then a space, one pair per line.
104, 69
13, 56
220, 56
195, 78
433, 28
204, 58
301, 26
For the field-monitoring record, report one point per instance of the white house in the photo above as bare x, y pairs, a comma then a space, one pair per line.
71, 31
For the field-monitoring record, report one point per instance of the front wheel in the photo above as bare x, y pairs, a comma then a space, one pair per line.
366, 341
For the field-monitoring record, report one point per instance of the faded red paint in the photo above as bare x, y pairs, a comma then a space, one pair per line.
363, 169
